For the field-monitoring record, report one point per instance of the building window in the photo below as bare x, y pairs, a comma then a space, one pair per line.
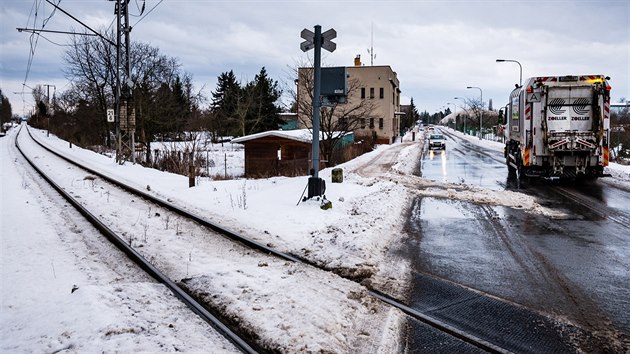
372, 123
362, 92
362, 122
371, 92
381, 93
380, 123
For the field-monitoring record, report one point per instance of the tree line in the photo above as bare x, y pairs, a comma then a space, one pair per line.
166, 103
6, 110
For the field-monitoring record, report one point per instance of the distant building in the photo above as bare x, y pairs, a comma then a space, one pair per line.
290, 121
376, 83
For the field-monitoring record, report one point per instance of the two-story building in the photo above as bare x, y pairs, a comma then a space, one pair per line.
375, 89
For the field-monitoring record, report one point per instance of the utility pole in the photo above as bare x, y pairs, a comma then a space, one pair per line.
48, 107
123, 105
121, 10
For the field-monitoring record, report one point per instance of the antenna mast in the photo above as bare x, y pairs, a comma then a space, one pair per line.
371, 50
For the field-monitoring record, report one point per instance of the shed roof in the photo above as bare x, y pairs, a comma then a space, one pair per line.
301, 135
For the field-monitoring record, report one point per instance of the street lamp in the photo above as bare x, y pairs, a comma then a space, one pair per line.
480, 113
459, 98
520, 80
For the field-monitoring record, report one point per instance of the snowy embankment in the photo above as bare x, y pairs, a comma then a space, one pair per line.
336, 315
65, 289
352, 238
355, 238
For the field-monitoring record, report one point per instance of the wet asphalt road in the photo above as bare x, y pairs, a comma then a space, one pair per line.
574, 268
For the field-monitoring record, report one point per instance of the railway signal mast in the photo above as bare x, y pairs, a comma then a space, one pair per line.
124, 107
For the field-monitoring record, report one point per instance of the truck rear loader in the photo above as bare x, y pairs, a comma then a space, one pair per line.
559, 127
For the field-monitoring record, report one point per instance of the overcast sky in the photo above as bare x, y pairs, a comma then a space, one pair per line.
438, 48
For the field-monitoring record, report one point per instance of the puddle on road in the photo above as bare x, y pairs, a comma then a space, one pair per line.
433, 208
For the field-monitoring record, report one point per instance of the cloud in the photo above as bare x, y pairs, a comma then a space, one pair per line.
436, 47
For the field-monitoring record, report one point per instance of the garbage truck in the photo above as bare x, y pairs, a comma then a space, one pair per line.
559, 127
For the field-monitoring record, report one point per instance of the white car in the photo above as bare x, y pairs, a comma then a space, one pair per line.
437, 141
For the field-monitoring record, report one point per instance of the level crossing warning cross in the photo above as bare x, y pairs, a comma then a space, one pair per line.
326, 38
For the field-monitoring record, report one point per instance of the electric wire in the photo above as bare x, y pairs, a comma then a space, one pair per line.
153, 8
34, 37
140, 10
33, 43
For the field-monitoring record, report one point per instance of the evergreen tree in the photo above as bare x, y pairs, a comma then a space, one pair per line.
412, 115
225, 104
263, 113
425, 117
5, 109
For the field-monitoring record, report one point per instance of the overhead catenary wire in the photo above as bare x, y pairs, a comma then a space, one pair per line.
34, 14
148, 12
33, 41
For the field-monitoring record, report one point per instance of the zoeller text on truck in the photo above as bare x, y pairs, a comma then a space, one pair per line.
559, 126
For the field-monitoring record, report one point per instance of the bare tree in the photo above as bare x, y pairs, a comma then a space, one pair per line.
244, 103
163, 96
336, 119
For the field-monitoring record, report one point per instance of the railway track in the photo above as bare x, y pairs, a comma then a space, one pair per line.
141, 261
464, 336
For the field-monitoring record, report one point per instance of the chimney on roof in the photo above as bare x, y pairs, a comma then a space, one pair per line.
357, 60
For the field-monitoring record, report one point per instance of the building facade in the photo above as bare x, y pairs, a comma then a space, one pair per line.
373, 100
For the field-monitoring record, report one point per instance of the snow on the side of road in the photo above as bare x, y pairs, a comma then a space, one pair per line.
45, 255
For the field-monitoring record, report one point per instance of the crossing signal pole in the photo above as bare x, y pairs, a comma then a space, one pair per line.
317, 41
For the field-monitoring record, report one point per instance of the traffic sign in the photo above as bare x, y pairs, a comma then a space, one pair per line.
329, 35
306, 46
329, 46
326, 40
110, 116
533, 97
308, 35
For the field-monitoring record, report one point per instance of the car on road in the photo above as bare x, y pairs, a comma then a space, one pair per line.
437, 141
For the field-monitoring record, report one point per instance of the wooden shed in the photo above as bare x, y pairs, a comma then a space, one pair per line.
277, 153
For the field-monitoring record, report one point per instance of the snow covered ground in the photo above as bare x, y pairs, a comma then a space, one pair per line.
64, 290
356, 238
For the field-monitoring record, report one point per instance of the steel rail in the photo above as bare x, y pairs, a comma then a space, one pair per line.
183, 212
137, 258
442, 326
439, 325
